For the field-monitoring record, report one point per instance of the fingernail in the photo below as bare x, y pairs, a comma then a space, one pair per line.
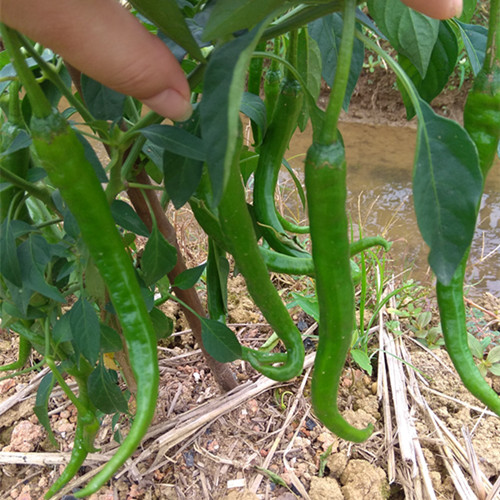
170, 104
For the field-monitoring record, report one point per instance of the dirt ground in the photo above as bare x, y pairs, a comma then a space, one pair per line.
432, 439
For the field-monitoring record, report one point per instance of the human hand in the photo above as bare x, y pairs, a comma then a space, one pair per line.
107, 43
104, 41
439, 9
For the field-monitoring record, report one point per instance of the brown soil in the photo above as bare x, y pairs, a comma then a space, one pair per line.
270, 445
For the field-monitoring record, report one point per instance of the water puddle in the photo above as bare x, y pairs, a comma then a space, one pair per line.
380, 163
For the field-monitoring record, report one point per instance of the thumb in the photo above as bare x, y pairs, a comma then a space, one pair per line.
103, 40
438, 9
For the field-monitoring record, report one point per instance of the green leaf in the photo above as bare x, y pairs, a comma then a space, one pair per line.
9, 263
158, 259
94, 283
21, 141
220, 107
34, 254
474, 38
410, 33
253, 107
110, 339
327, 32
275, 478
103, 102
309, 66
469, 7
495, 369
31, 334
41, 408
165, 14
441, 66
189, 277
154, 153
104, 391
475, 346
85, 330
126, 217
182, 174
308, 304
61, 331
181, 177
162, 324
362, 360
219, 341
176, 140
248, 163
217, 273
494, 355
229, 16
447, 188
92, 157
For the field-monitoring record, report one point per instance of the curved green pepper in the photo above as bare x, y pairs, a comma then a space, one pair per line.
238, 230
325, 178
272, 150
482, 122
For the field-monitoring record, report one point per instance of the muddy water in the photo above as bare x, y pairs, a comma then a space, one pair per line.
380, 162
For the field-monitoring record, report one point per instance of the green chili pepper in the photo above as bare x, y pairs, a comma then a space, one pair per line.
272, 150
16, 163
61, 154
255, 71
238, 230
24, 354
87, 427
482, 121
254, 84
272, 83
482, 115
454, 325
325, 178
290, 226
278, 262
81, 190
302, 266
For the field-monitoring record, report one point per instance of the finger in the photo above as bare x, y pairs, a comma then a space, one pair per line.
103, 40
438, 9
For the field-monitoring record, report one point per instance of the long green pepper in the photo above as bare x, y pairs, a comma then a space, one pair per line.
325, 179
482, 122
272, 150
238, 230
60, 153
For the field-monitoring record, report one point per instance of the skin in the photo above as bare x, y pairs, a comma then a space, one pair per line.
103, 40
106, 42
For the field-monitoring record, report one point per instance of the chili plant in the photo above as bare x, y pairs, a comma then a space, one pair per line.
74, 284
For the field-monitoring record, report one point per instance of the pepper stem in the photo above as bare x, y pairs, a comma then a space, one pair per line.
328, 134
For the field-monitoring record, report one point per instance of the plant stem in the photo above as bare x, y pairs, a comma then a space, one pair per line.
39, 103
302, 17
328, 133
292, 53
493, 42
54, 77
40, 193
